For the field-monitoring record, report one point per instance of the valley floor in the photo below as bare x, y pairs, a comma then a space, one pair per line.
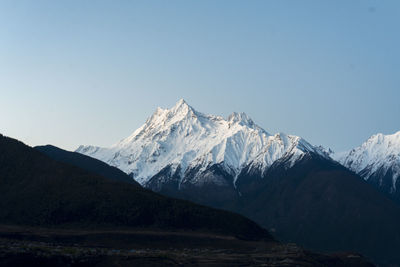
20, 246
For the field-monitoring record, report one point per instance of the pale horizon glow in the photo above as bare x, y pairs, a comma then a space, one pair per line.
91, 72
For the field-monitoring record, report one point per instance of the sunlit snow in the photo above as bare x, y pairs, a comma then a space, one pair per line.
379, 152
183, 137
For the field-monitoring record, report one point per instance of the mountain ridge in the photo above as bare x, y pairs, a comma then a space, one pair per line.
183, 138
377, 160
235, 165
37, 190
85, 162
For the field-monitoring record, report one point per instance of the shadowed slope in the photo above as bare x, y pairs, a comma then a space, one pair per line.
36, 190
87, 163
316, 203
323, 206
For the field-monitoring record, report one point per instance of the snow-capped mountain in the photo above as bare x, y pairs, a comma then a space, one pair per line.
180, 140
377, 160
280, 181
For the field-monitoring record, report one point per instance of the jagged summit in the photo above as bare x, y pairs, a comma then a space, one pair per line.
178, 112
181, 108
242, 119
181, 104
182, 139
183, 111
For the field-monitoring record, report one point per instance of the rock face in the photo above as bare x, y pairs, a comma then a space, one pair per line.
377, 160
183, 148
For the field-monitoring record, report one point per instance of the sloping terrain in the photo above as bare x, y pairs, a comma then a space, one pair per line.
36, 190
322, 205
316, 203
87, 163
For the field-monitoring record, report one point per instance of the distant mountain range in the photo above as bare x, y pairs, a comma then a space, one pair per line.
281, 181
186, 142
377, 160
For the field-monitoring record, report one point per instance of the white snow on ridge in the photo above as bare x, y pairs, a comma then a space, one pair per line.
184, 137
379, 152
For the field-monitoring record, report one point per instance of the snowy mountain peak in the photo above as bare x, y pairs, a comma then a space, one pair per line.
181, 103
241, 118
379, 153
182, 107
391, 141
183, 139
180, 111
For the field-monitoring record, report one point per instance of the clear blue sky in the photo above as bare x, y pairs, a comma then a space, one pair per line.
91, 72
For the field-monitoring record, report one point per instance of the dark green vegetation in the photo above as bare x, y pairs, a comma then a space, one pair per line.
87, 163
36, 190
317, 203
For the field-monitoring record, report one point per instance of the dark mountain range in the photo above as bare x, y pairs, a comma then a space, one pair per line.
87, 163
37, 190
56, 214
317, 203
322, 205
377, 161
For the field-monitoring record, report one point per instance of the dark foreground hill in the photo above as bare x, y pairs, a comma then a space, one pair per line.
36, 190
87, 163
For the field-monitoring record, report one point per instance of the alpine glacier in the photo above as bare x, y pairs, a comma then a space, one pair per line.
377, 159
183, 139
